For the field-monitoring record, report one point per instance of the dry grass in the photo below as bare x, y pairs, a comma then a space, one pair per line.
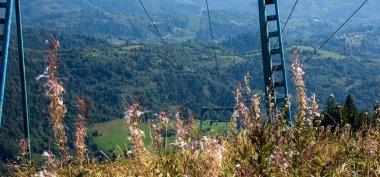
83, 107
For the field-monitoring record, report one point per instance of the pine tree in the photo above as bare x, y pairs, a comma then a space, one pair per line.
350, 111
331, 113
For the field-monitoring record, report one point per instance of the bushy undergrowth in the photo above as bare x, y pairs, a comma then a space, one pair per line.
257, 148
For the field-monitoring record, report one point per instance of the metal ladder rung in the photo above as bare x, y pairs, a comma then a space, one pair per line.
275, 51
278, 84
267, 2
272, 18
3, 5
277, 68
273, 34
280, 100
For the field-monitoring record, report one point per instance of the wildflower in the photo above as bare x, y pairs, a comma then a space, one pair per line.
339, 105
191, 125
24, 146
313, 111
234, 118
179, 144
156, 134
40, 174
179, 127
286, 165
218, 153
54, 90
246, 80
44, 74
300, 85
80, 128
288, 104
245, 114
164, 120
12, 165
376, 115
53, 44
299, 70
45, 154
137, 136
139, 113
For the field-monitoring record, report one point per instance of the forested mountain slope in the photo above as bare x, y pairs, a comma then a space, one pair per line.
105, 73
337, 9
181, 21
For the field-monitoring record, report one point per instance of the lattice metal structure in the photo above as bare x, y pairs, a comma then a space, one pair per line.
275, 76
6, 7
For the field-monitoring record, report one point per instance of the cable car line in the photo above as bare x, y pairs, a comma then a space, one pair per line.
163, 42
157, 31
287, 20
213, 40
336, 31
290, 15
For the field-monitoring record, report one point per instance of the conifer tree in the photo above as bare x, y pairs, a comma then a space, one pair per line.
331, 113
350, 113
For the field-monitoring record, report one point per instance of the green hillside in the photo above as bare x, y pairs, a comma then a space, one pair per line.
107, 73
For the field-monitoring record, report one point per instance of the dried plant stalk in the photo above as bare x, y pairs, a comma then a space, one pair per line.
300, 87
314, 110
180, 129
376, 116
55, 90
255, 102
235, 115
164, 121
137, 136
83, 107
191, 126
155, 133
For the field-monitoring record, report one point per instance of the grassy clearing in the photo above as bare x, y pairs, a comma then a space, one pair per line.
115, 133
131, 47
322, 53
93, 53
111, 134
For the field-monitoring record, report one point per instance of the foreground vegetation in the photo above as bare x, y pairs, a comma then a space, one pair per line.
311, 147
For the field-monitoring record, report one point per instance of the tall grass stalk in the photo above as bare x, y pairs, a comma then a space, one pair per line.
298, 73
83, 107
56, 109
137, 136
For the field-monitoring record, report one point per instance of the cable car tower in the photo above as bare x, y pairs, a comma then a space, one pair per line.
5, 27
275, 78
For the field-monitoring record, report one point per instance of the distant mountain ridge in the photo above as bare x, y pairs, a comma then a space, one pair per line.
337, 9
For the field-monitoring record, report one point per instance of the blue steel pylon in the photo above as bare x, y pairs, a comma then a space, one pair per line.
5, 37
273, 58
